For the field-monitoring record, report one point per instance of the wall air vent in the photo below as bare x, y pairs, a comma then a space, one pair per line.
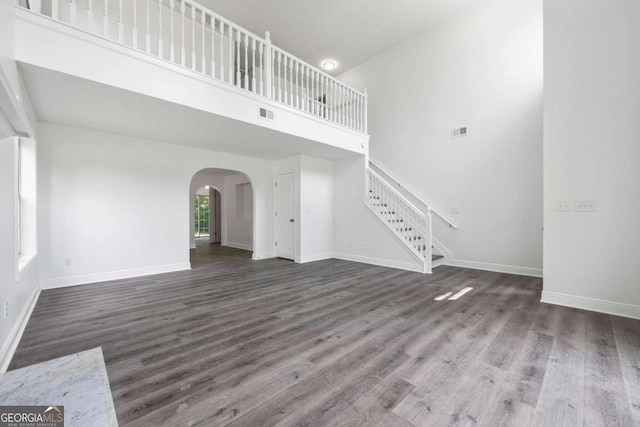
265, 114
458, 132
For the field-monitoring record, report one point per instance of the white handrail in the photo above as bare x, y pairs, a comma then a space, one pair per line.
303, 86
403, 218
220, 18
398, 194
413, 194
319, 71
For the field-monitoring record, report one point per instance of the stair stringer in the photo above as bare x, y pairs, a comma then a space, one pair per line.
419, 259
411, 226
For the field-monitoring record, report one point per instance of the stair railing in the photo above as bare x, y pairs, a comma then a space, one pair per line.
405, 220
414, 196
191, 36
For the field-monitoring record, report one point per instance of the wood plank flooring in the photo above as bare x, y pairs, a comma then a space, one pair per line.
334, 343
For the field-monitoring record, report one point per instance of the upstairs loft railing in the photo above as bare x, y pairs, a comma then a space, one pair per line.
188, 34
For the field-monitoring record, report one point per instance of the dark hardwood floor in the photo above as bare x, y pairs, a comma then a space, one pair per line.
335, 343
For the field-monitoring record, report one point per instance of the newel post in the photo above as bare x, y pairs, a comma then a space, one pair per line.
35, 5
268, 64
428, 239
72, 13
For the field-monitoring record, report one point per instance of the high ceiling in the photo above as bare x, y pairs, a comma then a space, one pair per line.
349, 31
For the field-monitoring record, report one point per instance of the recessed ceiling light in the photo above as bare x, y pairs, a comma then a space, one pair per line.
329, 65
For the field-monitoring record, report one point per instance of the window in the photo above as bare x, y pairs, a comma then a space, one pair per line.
25, 202
201, 210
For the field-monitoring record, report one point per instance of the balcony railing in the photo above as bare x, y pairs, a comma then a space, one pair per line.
190, 35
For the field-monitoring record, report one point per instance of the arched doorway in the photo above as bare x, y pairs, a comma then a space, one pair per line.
221, 213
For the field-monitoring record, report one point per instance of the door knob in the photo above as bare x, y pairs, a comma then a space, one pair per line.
292, 220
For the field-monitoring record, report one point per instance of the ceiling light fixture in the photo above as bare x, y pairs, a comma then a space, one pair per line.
329, 65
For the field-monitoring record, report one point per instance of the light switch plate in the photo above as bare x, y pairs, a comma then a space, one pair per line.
564, 206
586, 206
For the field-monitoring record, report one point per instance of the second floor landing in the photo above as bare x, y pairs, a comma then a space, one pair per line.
216, 92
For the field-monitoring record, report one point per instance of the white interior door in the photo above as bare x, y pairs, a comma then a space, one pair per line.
285, 216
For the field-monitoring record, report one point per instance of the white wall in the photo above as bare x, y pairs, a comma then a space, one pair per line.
237, 222
316, 209
357, 233
482, 69
15, 111
591, 152
19, 293
118, 206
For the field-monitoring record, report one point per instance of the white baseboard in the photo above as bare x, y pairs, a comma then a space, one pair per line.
11, 344
315, 257
591, 304
498, 268
381, 262
403, 243
64, 282
263, 255
237, 246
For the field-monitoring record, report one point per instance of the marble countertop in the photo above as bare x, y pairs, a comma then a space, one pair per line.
79, 382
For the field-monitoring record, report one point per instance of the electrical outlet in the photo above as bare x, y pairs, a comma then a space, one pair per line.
67, 262
586, 206
563, 206
6, 309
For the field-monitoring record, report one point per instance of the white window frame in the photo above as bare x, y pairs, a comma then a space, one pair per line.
25, 205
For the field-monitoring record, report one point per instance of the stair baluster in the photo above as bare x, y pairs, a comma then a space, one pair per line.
411, 225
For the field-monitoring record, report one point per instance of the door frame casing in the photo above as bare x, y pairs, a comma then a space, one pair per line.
215, 215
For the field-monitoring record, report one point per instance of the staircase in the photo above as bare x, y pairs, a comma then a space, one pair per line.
411, 225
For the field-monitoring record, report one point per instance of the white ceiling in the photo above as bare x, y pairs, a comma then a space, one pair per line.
349, 31
67, 100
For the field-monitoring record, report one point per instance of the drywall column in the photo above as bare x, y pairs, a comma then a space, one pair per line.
237, 205
591, 153
316, 209
313, 206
